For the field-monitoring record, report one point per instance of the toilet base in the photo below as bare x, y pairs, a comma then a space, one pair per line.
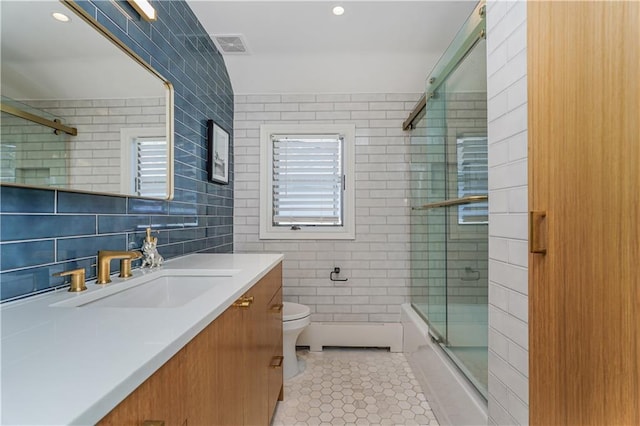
293, 368
291, 331
290, 364
296, 318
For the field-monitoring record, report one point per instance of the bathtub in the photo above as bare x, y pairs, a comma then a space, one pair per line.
454, 400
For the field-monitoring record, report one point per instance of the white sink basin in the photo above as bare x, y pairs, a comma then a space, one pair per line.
169, 289
163, 292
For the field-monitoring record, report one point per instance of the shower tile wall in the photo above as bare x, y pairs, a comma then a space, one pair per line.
95, 160
377, 261
65, 229
508, 282
41, 144
463, 113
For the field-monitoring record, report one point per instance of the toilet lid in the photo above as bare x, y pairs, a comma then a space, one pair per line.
293, 311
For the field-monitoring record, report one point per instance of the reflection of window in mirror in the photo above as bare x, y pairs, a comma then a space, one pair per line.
472, 178
144, 162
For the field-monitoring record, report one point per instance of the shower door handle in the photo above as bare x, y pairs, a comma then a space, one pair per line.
538, 232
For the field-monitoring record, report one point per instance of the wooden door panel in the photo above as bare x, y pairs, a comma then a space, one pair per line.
155, 399
584, 156
231, 367
202, 370
275, 388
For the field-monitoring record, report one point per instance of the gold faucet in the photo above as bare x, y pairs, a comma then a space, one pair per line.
104, 264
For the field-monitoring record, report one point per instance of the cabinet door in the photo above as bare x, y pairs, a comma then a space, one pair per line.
584, 163
274, 332
259, 339
160, 397
202, 401
231, 368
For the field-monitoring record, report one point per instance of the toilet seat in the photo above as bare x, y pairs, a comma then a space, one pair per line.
294, 311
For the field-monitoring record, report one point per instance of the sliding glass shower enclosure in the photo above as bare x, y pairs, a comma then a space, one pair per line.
449, 216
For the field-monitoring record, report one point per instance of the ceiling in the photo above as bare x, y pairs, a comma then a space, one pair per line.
46, 59
301, 47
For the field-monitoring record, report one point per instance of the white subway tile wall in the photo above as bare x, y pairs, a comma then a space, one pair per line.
31, 153
377, 261
95, 160
508, 310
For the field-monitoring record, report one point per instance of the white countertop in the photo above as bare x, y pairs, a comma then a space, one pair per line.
72, 365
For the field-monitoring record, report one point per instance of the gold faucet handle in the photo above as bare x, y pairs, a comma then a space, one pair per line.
125, 265
77, 279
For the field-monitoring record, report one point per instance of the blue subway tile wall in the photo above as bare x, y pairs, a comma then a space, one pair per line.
22, 200
47, 231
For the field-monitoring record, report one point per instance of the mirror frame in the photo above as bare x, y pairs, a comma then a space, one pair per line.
86, 17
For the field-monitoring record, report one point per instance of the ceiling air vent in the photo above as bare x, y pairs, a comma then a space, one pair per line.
232, 44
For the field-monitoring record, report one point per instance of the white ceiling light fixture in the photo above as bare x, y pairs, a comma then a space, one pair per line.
338, 10
60, 17
144, 8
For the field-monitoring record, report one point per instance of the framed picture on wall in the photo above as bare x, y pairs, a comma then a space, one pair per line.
218, 153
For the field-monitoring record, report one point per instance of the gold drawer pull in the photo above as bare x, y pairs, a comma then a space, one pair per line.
276, 361
243, 302
153, 423
277, 308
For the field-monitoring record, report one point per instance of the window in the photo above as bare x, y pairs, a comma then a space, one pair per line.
144, 162
472, 178
150, 167
307, 183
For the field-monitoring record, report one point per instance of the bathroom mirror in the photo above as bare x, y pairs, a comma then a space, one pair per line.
112, 111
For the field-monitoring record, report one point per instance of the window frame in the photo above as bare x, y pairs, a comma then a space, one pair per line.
128, 160
270, 232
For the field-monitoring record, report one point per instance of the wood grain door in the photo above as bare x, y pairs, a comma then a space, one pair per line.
231, 367
160, 398
584, 172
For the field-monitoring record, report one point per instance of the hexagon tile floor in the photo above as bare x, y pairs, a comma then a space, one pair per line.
353, 387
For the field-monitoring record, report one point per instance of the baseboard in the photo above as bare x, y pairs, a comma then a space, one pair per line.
383, 335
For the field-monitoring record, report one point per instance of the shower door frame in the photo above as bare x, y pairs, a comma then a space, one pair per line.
471, 33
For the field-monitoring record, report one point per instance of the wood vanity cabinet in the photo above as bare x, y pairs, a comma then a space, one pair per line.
229, 374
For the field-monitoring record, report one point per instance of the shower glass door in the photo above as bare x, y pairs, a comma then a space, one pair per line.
449, 218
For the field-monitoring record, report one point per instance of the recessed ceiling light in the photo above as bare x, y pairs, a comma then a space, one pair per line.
338, 10
60, 17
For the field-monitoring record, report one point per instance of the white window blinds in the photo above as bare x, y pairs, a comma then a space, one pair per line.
151, 167
472, 179
308, 183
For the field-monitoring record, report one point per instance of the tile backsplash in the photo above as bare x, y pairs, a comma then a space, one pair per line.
47, 231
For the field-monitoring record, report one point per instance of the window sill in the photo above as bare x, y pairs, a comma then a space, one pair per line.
307, 235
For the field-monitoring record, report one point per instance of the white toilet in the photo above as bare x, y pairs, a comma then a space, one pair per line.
295, 318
